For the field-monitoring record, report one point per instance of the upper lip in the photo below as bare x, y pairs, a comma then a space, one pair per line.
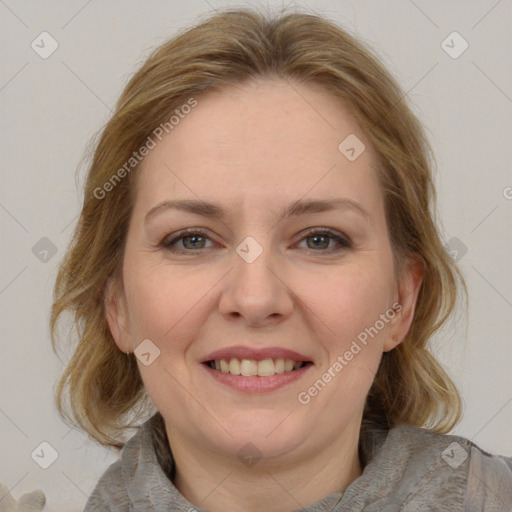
258, 354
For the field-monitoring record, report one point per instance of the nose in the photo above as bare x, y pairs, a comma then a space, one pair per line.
257, 290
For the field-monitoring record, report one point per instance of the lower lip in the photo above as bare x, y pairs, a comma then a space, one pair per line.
257, 384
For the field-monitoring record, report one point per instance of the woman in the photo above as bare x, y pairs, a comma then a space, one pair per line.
257, 259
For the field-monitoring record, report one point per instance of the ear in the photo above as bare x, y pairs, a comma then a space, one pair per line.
116, 312
408, 287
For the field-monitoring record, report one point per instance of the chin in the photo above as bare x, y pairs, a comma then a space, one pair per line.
269, 433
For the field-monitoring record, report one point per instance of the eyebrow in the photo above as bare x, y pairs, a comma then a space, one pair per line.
295, 209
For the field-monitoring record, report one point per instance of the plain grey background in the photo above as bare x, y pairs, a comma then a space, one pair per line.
51, 107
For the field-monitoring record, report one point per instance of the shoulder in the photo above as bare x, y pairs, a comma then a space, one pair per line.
489, 481
484, 478
110, 492
114, 490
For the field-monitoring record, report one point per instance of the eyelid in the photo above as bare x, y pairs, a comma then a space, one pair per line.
175, 237
344, 241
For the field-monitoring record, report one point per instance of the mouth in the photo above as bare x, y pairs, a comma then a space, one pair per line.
256, 370
252, 367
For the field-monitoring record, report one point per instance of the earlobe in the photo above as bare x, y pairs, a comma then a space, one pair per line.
408, 291
391, 343
115, 312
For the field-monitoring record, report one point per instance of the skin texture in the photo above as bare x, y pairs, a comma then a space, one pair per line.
254, 149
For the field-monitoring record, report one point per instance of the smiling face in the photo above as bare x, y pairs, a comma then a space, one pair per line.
254, 283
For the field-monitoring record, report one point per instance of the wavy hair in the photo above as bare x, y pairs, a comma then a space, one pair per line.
102, 383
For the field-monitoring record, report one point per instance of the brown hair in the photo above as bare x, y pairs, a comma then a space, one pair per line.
104, 385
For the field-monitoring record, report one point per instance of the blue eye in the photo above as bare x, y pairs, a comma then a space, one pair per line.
194, 236
322, 239
192, 240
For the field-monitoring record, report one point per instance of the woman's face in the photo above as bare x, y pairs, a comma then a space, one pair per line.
257, 288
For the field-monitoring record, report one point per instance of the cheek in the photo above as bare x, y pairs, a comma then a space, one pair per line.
349, 299
168, 302
164, 301
347, 307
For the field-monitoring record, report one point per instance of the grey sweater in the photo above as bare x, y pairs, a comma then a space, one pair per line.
405, 469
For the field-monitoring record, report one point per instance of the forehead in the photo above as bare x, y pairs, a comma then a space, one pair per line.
264, 142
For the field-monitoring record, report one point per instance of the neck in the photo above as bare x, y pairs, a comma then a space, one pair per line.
216, 482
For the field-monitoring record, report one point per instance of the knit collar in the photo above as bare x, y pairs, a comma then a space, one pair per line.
160, 443
369, 440
402, 466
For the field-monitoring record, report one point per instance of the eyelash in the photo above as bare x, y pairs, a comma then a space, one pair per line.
344, 242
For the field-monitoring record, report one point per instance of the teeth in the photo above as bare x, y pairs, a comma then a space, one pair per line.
234, 367
251, 367
266, 368
248, 367
279, 365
